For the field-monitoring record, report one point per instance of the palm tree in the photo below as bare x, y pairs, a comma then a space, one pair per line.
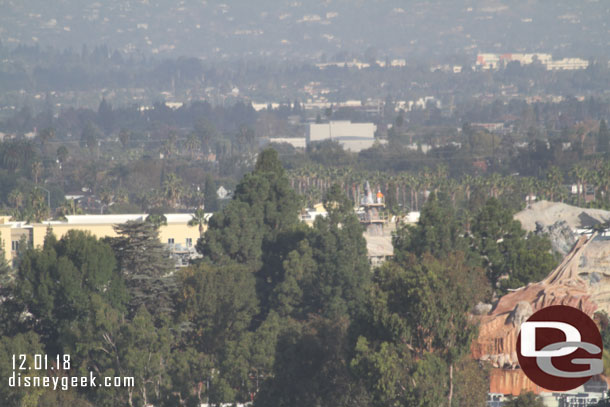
452, 187
38, 209
603, 170
172, 189
199, 219
555, 180
16, 198
506, 184
105, 198
411, 181
121, 195
580, 174
36, 170
68, 207
45, 135
529, 184
169, 147
192, 144
12, 155
494, 182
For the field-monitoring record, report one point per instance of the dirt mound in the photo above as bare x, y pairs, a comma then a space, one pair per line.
548, 213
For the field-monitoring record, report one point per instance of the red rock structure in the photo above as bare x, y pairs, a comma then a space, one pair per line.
569, 284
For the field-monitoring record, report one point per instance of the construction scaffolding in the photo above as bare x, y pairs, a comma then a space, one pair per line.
371, 212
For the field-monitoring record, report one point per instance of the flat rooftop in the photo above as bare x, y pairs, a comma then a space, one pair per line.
112, 219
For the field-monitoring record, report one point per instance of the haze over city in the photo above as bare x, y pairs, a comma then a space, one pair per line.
339, 203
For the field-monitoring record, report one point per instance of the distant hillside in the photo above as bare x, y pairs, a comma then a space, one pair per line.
312, 29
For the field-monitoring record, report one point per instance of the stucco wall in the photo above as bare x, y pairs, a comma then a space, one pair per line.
177, 231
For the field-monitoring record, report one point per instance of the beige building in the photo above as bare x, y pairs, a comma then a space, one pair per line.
177, 234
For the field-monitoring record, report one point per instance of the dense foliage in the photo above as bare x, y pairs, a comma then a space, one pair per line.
275, 311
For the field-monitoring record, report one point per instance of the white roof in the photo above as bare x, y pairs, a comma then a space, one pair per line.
341, 129
102, 219
121, 218
112, 219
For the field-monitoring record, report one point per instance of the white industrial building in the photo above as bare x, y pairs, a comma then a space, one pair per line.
352, 136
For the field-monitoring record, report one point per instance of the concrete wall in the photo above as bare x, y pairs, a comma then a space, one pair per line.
179, 232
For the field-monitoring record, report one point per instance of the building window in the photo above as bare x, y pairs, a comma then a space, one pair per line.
15, 245
170, 240
189, 242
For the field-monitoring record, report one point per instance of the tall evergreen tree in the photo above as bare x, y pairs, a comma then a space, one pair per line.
323, 285
146, 266
259, 227
263, 206
210, 197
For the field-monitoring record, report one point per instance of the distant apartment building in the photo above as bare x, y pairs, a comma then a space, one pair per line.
487, 61
421, 103
353, 137
176, 234
568, 64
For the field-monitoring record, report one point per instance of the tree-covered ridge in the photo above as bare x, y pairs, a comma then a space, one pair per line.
276, 311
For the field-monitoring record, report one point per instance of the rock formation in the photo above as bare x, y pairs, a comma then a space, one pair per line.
582, 280
560, 234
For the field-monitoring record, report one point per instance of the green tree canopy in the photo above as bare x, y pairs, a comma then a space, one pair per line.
312, 369
438, 231
506, 250
58, 283
146, 266
263, 206
218, 302
416, 328
328, 272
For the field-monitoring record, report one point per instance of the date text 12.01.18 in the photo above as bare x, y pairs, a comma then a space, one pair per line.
41, 362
